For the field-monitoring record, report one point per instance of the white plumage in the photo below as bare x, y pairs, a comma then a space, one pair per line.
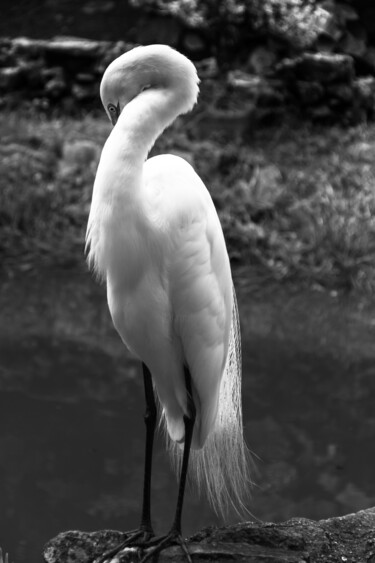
155, 237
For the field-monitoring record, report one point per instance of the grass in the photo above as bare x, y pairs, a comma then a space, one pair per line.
47, 169
318, 223
297, 199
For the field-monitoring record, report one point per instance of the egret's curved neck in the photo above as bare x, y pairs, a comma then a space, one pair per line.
144, 119
118, 195
119, 177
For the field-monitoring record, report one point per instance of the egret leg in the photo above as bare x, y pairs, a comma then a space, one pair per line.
145, 531
174, 536
150, 421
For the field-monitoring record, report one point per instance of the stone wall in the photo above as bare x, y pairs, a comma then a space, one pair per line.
65, 74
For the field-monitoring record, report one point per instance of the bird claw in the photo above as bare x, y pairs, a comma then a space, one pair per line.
142, 540
135, 538
156, 545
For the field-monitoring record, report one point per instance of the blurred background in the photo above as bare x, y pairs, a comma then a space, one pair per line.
284, 138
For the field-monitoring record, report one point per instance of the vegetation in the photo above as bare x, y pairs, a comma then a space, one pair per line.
230, 24
287, 18
47, 168
298, 200
301, 201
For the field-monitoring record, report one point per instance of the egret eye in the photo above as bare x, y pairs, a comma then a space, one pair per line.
114, 112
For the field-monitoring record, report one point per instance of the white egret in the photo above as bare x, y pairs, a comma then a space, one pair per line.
154, 236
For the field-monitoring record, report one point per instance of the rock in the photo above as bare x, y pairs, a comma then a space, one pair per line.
207, 68
85, 78
73, 55
342, 92
271, 94
364, 93
68, 71
243, 80
55, 88
309, 93
29, 47
261, 61
32, 71
11, 78
55, 84
347, 538
265, 92
318, 67
73, 47
55, 72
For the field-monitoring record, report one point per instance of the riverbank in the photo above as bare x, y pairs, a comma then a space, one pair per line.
295, 200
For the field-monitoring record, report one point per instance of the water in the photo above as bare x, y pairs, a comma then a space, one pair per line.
71, 407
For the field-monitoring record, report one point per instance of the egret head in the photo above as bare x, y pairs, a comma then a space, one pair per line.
153, 67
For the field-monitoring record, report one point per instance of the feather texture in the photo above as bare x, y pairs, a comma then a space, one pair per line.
154, 236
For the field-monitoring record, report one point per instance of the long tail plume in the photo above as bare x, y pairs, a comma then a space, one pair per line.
221, 467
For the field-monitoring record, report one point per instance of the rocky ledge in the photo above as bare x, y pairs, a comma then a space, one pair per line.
65, 73
348, 538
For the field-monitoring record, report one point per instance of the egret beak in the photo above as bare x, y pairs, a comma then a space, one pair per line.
115, 117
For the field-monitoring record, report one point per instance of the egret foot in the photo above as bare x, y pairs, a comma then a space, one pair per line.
135, 538
158, 544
